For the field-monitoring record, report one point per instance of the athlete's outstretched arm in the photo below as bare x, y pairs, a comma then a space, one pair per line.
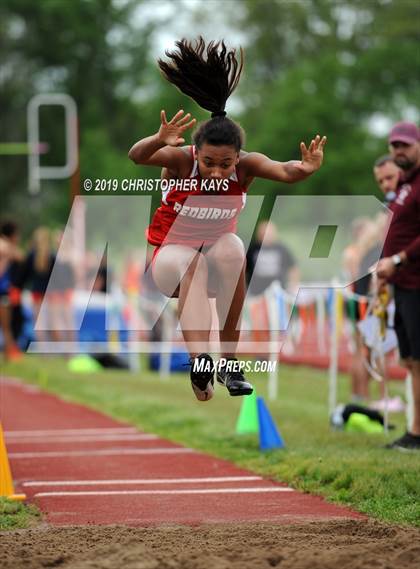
259, 165
162, 148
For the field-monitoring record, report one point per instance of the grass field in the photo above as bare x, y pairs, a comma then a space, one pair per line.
14, 515
351, 469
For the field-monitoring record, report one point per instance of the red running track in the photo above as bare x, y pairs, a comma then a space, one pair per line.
82, 467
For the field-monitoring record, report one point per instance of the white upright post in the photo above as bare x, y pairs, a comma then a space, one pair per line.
410, 403
332, 387
271, 296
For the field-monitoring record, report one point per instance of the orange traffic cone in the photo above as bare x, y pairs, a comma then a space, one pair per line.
6, 482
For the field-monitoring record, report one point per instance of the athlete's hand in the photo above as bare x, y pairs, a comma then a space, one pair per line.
313, 156
171, 132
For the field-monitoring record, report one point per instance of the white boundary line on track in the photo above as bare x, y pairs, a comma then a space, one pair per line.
81, 439
256, 490
214, 479
64, 432
104, 452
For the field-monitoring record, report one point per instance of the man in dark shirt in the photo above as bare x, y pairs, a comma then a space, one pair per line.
400, 264
268, 260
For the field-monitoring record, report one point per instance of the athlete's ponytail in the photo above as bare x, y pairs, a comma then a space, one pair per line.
208, 75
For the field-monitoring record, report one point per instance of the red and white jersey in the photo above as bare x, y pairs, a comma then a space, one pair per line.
197, 211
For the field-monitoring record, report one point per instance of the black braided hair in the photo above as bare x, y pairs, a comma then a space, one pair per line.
208, 74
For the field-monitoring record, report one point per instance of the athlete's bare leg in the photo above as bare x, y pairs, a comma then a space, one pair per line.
177, 265
226, 259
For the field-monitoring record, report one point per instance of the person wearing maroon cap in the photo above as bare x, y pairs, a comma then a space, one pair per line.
400, 263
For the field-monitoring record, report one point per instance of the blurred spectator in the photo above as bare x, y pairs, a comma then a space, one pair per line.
132, 273
103, 276
369, 247
35, 275
61, 288
155, 301
10, 257
268, 260
351, 255
387, 175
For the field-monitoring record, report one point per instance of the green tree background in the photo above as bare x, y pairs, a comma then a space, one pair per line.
347, 69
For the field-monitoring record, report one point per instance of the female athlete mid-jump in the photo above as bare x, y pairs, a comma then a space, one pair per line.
198, 253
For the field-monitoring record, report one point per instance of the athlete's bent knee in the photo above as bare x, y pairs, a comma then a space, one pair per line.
229, 251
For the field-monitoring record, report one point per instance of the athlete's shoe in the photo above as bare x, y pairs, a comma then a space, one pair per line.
407, 443
202, 376
234, 381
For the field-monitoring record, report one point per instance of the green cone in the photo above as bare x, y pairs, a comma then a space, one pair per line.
247, 422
